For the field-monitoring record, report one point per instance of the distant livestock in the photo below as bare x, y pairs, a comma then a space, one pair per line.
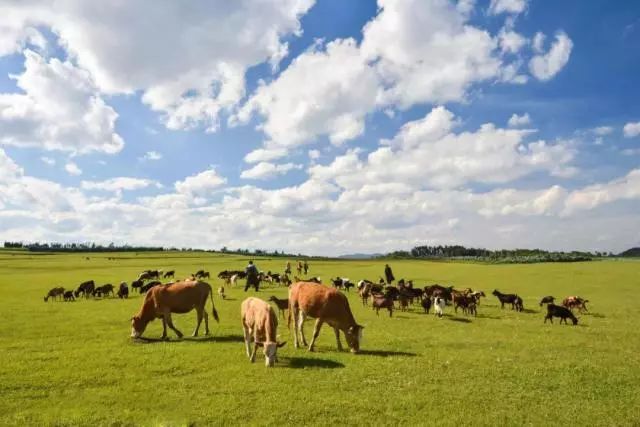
513, 299
85, 288
426, 304
379, 301
145, 288
68, 296
326, 305
558, 311
547, 300
575, 302
123, 291
439, 303
54, 293
260, 326
180, 297
170, 273
282, 304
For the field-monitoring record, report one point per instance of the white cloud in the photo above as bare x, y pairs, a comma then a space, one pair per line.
545, 66
72, 169
631, 130
8, 168
507, 6
517, 121
118, 184
206, 72
48, 160
627, 187
265, 170
59, 110
603, 130
201, 184
151, 155
314, 154
265, 154
322, 92
510, 41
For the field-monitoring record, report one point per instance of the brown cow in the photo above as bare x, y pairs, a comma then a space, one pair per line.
572, 302
260, 325
180, 297
325, 305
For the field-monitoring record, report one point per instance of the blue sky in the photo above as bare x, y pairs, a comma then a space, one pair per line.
323, 126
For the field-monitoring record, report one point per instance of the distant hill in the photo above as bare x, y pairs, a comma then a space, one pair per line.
359, 256
633, 252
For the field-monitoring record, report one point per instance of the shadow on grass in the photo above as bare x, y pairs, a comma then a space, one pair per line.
201, 339
308, 362
530, 311
386, 353
459, 319
485, 316
596, 315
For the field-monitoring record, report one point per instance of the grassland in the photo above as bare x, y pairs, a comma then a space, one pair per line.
74, 363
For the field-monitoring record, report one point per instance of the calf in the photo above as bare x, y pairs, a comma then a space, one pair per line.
180, 297
170, 273
326, 305
54, 293
282, 304
123, 291
379, 301
68, 296
221, 292
425, 302
260, 325
558, 311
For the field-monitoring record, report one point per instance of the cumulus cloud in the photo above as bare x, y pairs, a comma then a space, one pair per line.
631, 129
517, 121
545, 66
72, 169
201, 184
507, 6
627, 187
8, 168
602, 130
60, 109
265, 170
206, 72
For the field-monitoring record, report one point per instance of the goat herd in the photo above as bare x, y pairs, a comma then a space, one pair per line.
307, 298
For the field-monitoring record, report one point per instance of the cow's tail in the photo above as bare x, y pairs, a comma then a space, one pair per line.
213, 307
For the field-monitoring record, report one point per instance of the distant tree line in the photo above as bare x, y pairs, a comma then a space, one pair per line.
496, 256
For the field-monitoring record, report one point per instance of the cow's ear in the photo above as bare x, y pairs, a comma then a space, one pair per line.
281, 344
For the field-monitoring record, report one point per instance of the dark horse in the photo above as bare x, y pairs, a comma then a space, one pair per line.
513, 299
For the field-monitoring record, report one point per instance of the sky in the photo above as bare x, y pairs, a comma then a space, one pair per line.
323, 127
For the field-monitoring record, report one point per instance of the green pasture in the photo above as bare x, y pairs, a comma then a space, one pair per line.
74, 363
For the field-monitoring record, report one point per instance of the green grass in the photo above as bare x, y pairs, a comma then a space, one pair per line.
74, 363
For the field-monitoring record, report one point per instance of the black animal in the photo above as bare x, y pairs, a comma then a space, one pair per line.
68, 296
201, 274
547, 300
85, 288
426, 304
123, 291
146, 287
170, 273
513, 299
282, 304
379, 301
105, 290
137, 284
558, 311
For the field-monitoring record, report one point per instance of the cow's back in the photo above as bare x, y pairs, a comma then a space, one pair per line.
179, 297
317, 300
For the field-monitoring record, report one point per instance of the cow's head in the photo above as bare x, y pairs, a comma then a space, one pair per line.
574, 320
354, 337
270, 352
137, 326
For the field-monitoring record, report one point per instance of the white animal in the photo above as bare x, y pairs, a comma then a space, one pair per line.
221, 292
439, 305
233, 280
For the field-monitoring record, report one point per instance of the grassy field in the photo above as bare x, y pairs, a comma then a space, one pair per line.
74, 363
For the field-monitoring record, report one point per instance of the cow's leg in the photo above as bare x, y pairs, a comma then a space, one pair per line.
206, 322
338, 343
247, 339
293, 314
316, 332
164, 328
301, 327
198, 322
170, 323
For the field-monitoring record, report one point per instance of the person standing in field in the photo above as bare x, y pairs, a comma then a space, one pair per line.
388, 274
305, 267
253, 278
287, 269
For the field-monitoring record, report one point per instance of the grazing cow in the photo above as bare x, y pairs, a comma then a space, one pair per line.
145, 288
575, 302
123, 291
426, 304
513, 299
439, 304
282, 304
180, 297
558, 311
54, 293
260, 325
136, 284
104, 290
326, 305
170, 273
85, 288
68, 296
379, 301
149, 274
342, 283
221, 292
547, 300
